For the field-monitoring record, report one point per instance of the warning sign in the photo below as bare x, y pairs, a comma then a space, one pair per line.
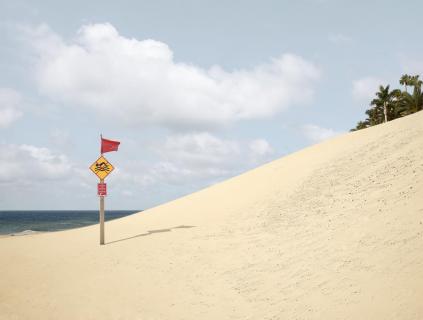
102, 189
101, 167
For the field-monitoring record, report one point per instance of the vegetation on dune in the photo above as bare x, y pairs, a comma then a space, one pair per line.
392, 104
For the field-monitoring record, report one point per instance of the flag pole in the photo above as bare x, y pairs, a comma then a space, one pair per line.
101, 217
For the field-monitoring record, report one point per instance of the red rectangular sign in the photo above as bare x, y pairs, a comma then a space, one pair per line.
102, 189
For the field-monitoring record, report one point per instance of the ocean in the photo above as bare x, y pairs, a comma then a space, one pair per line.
24, 222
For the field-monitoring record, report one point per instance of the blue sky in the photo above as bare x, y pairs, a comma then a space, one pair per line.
196, 91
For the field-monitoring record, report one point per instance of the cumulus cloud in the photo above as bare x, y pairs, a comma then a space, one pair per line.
199, 149
260, 150
317, 134
364, 89
339, 38
199, 159
10, 102
26, 163
61, 139
138, 81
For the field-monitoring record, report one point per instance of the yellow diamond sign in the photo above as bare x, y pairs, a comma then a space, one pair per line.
101, 167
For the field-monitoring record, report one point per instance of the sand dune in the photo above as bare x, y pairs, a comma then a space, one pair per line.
334, 231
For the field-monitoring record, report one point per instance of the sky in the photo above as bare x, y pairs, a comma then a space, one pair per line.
195, 91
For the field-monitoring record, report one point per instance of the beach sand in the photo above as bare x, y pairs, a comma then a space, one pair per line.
334, 231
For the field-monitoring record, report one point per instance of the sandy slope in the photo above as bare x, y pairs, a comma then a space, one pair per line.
334, 231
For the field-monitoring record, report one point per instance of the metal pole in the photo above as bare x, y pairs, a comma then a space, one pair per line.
101, 217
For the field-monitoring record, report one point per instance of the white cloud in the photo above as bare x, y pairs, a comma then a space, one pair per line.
317, 134
26, 163
198, 159
364, 89
10, 102
138, 81
127, 193
339, 38
199, 149
260, 149
61, 139
213, 156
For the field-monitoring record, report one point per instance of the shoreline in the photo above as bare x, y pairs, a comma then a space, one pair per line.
29, 222
23, 233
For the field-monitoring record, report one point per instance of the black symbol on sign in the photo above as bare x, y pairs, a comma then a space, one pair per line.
102, 166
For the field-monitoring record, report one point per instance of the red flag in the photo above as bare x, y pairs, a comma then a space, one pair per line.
109, 145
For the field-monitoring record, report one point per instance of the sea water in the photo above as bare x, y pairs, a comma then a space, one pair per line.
24, 222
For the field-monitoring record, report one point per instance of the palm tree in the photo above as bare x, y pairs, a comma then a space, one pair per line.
395, 107
375, 115
361, 125
412, 102
385, 100
389, 105
414, 80
405, 81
